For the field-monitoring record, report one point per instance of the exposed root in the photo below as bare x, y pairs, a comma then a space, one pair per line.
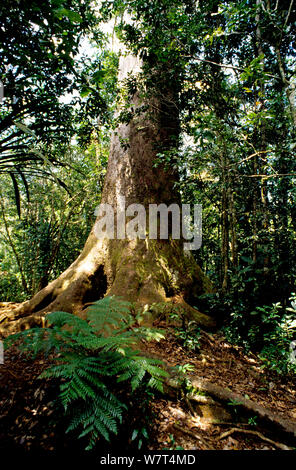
224, 394
279, 445
31, 321
205, 446
145, 272
194, 314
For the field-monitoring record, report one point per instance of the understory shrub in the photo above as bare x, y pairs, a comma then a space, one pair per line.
91, 357
267, 330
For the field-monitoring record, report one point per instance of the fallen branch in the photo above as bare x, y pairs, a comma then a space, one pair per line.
279, 445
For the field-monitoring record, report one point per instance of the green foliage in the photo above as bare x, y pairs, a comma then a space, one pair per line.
45, 75
234, 106
10, 287
268, 330
184, 383
36, 72
253, 421
48, 237
50, 132
142, 420
172, 442
139, 435
231, 67
91, 357
189, 334
184, 368
235, 404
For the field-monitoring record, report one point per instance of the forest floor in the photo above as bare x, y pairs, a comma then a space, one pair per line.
32, 421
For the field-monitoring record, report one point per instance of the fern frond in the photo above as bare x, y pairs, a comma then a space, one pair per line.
60, 319
93, 353
109, 313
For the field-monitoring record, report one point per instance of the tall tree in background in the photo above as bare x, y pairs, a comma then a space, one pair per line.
143, 271
221, 72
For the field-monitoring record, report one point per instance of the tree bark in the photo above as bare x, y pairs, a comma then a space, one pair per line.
146, 271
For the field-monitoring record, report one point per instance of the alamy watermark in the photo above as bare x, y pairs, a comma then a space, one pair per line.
159, 221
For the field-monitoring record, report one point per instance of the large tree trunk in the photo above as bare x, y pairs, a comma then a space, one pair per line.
142, 271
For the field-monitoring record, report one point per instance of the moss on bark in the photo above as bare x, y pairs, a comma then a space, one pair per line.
144, 272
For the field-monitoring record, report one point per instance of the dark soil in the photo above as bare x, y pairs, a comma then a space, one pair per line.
33, 422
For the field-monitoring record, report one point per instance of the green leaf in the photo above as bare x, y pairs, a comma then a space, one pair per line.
73, 16
24, 128
98, 76
85, 92
135, 433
